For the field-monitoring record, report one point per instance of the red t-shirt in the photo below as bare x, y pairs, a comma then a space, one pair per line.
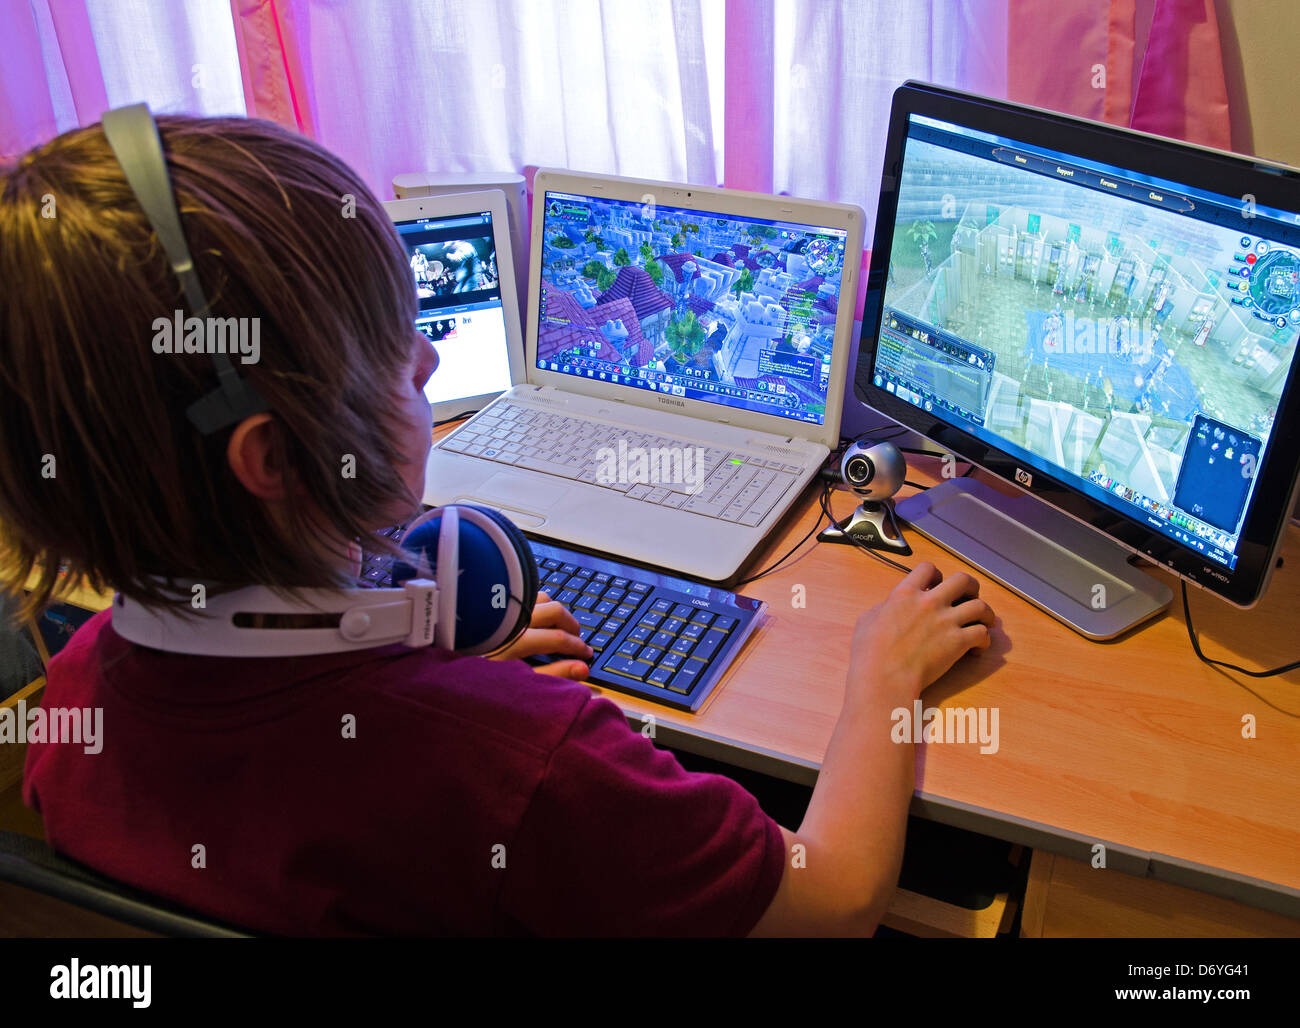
476, 798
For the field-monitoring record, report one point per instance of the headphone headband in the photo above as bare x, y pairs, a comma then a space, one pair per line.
132, 135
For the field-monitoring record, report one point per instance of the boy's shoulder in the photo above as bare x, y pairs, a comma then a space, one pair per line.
505, 700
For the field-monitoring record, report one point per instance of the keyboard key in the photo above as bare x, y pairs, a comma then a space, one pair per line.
587, 617
702, 617
651, 618
683, 646
694, 630
550, 563
620, 583
614, 595
585, 602
663, 606
671, 660
629, 648
600, 640
601, 577
569, 569
662, 639
613, 625
625, 611
568, 596
709, 644
686, 677
584, 572
640, 633
724, 624
650, 654
605, 607
640, 588
637, 669
684, 612
673, 625
660, 676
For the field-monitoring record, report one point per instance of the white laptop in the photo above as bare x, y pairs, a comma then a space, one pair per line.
459, 249
686, 351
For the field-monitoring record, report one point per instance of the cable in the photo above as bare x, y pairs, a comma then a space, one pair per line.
455, 417
825, 499
816, 525
1196, 646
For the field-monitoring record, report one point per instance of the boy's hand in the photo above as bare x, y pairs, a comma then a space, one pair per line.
921, 630
553, 631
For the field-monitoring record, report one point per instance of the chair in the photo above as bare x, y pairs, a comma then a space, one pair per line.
31, 864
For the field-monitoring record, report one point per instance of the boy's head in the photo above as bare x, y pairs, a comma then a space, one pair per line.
100, 469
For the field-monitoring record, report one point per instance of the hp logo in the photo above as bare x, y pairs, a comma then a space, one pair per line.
1024, 477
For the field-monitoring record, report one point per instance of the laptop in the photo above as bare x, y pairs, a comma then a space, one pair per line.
685, 358
459, 249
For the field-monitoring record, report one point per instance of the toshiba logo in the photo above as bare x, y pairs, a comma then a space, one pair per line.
675, 403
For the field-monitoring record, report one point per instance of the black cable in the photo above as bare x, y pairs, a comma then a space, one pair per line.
826, 510
916, 485
1196, 646
455, 417
816, 525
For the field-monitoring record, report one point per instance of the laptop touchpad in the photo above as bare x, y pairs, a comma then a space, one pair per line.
510, 491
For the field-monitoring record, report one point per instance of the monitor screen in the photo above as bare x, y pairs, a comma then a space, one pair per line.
726, 309
453, 260
1126, 335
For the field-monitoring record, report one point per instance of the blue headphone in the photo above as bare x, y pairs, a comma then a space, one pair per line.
467, 581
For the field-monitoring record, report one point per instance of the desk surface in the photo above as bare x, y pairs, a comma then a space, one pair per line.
1133, 744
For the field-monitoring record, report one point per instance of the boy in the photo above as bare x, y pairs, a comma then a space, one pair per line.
385, 791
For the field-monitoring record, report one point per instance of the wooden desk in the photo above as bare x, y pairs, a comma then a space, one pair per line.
1132, 744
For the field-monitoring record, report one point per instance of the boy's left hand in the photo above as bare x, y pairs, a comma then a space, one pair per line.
553, 631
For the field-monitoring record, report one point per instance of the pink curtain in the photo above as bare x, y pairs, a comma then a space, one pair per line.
1154, 65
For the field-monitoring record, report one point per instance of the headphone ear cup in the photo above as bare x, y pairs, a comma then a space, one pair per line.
497, 555
523, 554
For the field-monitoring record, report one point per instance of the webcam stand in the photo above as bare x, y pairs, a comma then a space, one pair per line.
874, 525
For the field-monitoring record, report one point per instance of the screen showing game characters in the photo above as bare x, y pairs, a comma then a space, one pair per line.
453, 263
702, 306
1129, 336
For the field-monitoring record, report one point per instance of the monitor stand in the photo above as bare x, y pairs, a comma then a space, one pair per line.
1067, 569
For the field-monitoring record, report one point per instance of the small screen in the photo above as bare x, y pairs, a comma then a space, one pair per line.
730, 310
1127, 335
454, 264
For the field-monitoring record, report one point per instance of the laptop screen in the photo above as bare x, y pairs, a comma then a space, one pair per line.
1128, 335
735, 311
454, 263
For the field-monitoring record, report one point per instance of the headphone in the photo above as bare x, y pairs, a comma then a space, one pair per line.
466, 582
433, 601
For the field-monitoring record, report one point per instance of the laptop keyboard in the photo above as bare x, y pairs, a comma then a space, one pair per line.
656, 636
710, 481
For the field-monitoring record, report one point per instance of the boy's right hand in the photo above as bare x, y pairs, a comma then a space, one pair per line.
918, 633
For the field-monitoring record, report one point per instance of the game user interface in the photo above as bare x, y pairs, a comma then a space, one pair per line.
453, 261
702, 306
1129, 336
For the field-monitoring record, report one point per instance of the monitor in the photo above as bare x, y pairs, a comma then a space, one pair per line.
459, 250
1106, 319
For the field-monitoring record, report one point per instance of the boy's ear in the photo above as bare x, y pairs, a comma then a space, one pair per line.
251, 455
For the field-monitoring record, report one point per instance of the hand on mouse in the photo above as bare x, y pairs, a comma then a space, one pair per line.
553, 631
919, 632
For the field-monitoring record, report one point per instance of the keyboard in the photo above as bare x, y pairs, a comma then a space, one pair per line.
657, 636
711, 481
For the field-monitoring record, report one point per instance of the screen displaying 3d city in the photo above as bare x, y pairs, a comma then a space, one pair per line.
697, 305
1105, 329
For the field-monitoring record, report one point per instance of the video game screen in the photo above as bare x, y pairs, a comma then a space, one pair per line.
709, 307
453, 263
1125, 335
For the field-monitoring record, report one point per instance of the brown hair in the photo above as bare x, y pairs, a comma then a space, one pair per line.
280, 230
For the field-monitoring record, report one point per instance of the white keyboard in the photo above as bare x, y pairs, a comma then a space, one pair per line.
727, 484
